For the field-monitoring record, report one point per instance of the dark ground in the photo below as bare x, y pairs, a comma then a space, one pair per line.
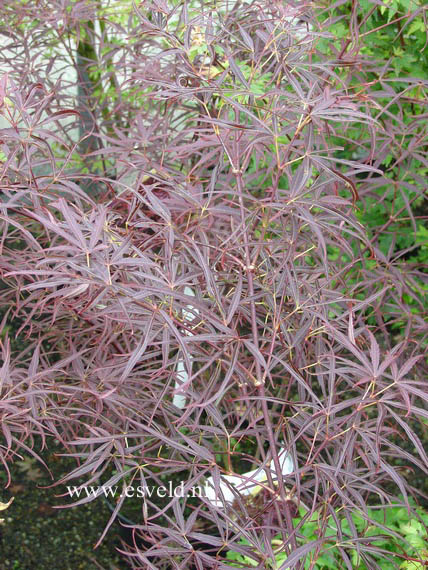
35, 536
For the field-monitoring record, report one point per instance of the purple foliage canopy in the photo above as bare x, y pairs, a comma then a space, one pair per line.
194, 148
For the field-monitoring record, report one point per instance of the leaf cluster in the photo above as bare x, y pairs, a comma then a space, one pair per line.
187, 209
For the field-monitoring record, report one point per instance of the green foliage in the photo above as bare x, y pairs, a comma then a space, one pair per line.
408, 552
393, 34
